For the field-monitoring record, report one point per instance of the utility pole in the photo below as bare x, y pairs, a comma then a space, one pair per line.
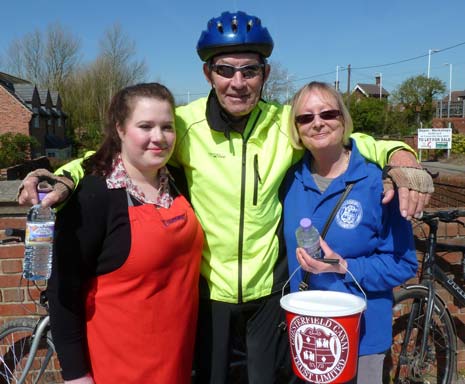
348, 80
348, 87
336, 84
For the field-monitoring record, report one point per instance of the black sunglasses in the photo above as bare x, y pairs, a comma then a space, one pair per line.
307, 118
228, 71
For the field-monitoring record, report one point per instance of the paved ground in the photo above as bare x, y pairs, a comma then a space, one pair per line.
441, 167
8, 204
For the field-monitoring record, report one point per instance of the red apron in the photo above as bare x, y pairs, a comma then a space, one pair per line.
141, 318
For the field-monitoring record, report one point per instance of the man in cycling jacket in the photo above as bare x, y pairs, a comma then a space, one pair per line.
234, 150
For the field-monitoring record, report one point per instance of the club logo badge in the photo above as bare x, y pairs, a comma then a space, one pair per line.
319, 346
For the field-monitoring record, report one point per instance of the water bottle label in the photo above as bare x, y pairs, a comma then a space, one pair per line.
37, 233
314, 251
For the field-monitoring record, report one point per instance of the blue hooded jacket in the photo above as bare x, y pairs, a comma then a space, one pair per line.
374, 239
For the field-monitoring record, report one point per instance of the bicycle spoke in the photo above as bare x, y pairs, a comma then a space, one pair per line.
406, 362
15, 348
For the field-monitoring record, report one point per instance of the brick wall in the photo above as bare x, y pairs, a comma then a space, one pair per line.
458, 123
14, 117
449, 191
14, 300
17, 299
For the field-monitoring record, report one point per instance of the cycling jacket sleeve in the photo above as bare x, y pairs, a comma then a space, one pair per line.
378, 151
73, 169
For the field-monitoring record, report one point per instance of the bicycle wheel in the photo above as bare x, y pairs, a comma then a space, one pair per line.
438, 366
15, 344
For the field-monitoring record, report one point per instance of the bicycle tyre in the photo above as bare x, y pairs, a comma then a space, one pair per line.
15, 344
440, 363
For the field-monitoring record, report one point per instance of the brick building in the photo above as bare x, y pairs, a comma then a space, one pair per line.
452, 112
35, 112
376, 90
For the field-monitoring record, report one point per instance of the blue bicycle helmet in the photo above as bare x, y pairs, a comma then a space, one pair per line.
234, 32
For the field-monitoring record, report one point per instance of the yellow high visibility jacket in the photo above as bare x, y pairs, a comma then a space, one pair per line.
233, 184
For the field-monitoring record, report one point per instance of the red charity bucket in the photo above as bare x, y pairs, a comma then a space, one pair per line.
323, 329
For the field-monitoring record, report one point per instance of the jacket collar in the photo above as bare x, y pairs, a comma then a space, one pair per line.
355, 171
219, 120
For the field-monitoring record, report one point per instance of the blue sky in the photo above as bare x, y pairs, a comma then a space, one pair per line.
312, 37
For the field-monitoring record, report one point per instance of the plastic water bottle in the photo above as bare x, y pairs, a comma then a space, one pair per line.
38, 249
308, 238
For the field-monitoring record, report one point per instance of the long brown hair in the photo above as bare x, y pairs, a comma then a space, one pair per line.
120, 109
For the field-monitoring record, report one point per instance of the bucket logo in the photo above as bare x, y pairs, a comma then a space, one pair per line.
350, 214
319, 346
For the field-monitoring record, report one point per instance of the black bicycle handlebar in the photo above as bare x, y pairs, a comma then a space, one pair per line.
449, 216
12, 235
15, 232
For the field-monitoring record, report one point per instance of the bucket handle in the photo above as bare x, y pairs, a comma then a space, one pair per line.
343, 266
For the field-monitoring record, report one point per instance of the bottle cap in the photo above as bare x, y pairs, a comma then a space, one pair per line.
42, 195
305, 222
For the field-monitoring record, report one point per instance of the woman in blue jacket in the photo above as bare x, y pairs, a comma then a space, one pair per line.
370, 239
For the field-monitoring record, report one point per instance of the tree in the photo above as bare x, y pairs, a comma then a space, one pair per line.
46, 59
14, 148
279, 86
25, 57
61, 56
369, 115
115, 67
89, 90
416, 96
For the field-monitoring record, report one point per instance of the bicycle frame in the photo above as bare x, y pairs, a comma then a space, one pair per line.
41, 328
431, 272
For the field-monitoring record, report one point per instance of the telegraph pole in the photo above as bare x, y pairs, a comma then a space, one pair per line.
348, 87
348, 79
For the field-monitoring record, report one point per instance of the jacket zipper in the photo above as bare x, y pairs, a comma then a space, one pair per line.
241, 221
257, 179
240, 246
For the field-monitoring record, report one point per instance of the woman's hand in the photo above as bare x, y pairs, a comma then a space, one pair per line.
312, 265
87, 379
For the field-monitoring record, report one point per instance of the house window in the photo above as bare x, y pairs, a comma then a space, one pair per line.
35, 117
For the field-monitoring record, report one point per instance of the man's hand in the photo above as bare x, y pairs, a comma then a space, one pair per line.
59, 188
414, 184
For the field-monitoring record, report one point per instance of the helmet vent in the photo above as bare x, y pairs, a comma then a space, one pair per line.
234, 25
234, 32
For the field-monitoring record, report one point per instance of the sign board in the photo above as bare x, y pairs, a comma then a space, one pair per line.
434, 138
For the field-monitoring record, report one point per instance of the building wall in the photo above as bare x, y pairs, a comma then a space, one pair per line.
448, 191
14, 117
458, 124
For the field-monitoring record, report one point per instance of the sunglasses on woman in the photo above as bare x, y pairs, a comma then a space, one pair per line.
307, 118
228, 71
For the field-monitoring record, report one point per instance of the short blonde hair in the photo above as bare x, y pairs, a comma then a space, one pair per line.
298, 99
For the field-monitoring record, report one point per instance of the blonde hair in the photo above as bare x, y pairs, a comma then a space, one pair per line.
299, 98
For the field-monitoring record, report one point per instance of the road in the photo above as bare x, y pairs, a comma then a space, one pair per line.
442, 168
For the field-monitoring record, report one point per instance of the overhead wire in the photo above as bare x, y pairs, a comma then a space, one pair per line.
343, 69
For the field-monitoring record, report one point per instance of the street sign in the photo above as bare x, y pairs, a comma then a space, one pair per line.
435, 138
